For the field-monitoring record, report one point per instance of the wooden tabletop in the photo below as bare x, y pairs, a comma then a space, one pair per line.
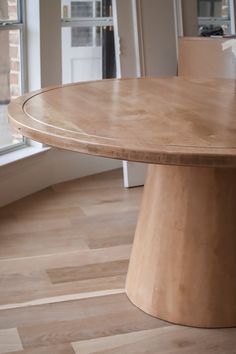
174, 120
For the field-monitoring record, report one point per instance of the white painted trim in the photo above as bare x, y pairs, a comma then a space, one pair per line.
87, 22
33, 45
178, 18
45, 168
24, 74
137, 35
125, 174
8, 26
140, 68
116, 39
20, 154
176, 26
232, 16
140, 36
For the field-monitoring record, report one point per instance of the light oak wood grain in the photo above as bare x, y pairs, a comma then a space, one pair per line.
117, 342
182, 266
26, 279
92, 271
78, 320
52, 349
92, 314
66, 220
115, 310
174, 120
166, 340
206, 57
27, 256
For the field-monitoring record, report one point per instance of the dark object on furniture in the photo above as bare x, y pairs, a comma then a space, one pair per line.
211, 31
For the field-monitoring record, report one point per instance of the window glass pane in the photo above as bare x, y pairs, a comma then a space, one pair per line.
81, 9
90, 8
82, 37
10, 82
98, 39
107, 8
8, 10
213, 8
98, 9
204, 9
86, 37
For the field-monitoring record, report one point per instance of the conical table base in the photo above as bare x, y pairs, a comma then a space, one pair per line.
183, 262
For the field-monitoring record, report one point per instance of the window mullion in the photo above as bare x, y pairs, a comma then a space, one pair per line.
87, 22
11, 26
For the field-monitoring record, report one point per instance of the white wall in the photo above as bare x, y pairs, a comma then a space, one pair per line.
158, 44
190, 18
43, 26
37, 172
125, 37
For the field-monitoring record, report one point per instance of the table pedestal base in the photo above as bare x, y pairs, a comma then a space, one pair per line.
183, 262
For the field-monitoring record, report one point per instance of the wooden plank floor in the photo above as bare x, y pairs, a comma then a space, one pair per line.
63, 259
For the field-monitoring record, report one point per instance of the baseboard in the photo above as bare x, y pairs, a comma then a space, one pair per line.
37, 172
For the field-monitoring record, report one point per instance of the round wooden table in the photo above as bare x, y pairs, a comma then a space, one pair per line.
183, 263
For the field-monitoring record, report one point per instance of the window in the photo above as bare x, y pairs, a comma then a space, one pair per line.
88, 50
11, 64
215, 13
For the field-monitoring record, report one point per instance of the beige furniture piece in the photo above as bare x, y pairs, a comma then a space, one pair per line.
207, 57
182, 268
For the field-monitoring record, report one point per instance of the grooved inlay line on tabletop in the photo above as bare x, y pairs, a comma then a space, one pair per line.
172, 120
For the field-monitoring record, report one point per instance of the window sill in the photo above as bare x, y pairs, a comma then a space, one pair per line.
21, 154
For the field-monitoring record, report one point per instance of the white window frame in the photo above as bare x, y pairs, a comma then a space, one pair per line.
87, 21
18, 24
